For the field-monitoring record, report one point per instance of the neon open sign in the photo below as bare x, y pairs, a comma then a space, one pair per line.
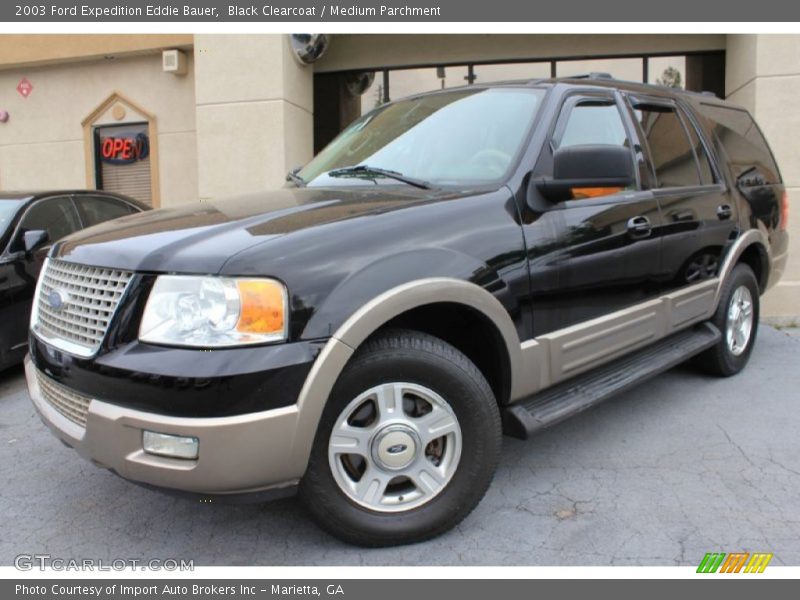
123, 150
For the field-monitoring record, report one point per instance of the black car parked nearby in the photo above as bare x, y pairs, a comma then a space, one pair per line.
29, 223
454, 265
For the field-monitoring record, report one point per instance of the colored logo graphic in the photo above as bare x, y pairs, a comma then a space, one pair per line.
735, 562
24, 87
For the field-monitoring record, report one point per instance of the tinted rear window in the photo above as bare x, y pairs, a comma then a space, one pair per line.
742, 140
670, 148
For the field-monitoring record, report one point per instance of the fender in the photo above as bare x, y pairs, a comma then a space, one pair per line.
387, 272
742, 243
363, 322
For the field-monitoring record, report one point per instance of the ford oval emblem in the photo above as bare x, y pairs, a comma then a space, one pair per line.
397, 449
57, 299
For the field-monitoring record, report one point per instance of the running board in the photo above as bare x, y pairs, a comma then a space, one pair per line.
552, 405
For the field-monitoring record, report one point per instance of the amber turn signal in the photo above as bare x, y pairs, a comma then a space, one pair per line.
594, 192
263, 306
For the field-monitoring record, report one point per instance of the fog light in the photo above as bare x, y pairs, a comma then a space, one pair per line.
173, 446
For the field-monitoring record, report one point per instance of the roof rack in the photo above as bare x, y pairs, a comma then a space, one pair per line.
705, 93
592, 75
609, 76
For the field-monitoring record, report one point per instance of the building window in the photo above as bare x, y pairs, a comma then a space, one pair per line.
122, 160
121, 148
669, 71
696, 71
626, 69
392, 84
511, 71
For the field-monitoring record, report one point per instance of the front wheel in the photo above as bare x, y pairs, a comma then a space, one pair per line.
737, 319
407, 444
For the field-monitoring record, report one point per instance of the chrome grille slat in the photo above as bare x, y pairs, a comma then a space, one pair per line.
60, 322
92, 296
68, 403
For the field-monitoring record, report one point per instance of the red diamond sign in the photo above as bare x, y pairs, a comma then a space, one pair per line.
24, 87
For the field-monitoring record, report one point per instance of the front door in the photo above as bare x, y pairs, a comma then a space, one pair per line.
602, 245
58, 217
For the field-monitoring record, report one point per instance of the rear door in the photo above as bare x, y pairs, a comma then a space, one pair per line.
699, 216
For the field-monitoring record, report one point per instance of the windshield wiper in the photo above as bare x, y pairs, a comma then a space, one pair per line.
372, 172
295, 178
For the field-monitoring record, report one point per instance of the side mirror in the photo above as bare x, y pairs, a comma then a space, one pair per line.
595, 166
35, 239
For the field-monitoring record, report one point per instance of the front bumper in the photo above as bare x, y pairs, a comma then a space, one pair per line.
183, 382
246, 453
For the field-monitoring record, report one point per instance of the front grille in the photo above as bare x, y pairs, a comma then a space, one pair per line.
75, 304
72, 405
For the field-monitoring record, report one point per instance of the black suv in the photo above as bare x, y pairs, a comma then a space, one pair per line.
453, 265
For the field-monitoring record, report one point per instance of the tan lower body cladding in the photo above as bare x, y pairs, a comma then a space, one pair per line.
557, 356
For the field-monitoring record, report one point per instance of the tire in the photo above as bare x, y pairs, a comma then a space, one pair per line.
439, 385
727, 358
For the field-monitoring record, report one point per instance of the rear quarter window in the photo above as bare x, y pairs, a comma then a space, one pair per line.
742, 141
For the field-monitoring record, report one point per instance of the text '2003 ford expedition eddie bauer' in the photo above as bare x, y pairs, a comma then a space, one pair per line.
452, 266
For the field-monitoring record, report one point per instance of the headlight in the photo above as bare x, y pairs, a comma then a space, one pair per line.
209, 312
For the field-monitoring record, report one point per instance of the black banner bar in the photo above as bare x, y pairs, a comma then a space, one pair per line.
731, 588
319, 11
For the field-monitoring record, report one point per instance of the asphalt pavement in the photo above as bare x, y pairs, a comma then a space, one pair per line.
683, 465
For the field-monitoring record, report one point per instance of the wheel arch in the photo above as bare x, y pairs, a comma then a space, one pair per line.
756, 257
383, 310
436, 291
753, 249
469, 331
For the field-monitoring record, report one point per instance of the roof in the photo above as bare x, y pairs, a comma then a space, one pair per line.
601, 80
39, 194
606, 81
16, 195
26, 194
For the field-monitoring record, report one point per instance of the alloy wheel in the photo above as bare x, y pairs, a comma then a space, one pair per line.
739, 325
395, 447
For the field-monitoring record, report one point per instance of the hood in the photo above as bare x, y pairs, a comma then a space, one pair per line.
200, 238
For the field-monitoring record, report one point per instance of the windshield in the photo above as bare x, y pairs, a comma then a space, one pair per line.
466, 136
8, 208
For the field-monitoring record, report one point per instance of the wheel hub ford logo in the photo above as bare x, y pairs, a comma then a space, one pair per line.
397, 449
57, 299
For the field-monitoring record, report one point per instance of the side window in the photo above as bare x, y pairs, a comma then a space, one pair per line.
593, 122
704, 162
670, 148
742, 140
96, 209
56, 216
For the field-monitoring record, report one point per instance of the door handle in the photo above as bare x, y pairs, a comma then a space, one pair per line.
724, 212
639, 227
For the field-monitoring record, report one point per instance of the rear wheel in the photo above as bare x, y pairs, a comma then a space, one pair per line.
737, 319
407, 445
